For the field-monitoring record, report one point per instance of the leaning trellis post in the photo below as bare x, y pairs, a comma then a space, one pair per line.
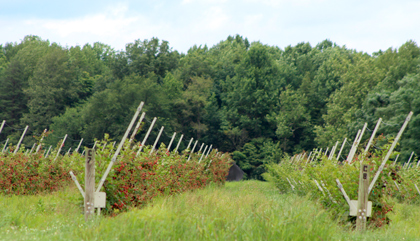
156, 141
189, 144
202, 155
372, 136
201, 148
179, 142
354, 143
5, 145
40, 142
211, 146
146, 136
395, 161
78, 147
390, 151
33, 147
340, 186
137, 127
2, 125
48, 152
20, 140
114, 158
189, 157
170, 143
409, 160
341, 149
61, 146
353, 152
333, 151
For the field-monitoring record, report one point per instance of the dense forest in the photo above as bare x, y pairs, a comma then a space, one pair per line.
258, 101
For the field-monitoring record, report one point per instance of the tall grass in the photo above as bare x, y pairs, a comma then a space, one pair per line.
248, 210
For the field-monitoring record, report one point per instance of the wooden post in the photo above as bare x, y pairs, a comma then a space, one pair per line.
309, 158
397, 138
362, 200
89, 183
137, 127
179, 142
40, 142
326, 151
2, 125
189, 157
341, 149
170, 143
156, 141
78, 146
372, 136
114, 158
145, 137
61, 146
5, 145
208, 152
20, 140
204, 152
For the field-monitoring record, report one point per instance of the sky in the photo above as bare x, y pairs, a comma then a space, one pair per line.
367, 26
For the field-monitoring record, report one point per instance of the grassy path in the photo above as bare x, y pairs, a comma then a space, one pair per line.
248, 210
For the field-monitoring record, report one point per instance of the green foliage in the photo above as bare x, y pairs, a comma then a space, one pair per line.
301, 177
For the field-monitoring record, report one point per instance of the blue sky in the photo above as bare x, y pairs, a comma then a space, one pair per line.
366, 26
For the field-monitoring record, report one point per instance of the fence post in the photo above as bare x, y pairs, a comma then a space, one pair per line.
156, 141
78, 146
362, 200
397, 138
170, 143
20, 140
179, 142
201, 148
89, 183
145, 137
61, 146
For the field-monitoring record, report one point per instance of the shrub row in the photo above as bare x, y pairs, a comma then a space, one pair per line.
395, 183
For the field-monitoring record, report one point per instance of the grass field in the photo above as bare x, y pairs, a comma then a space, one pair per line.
249, 210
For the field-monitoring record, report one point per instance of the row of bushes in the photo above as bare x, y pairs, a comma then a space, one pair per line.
395, 183
132, 182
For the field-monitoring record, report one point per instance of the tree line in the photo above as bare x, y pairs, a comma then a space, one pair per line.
258, 101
